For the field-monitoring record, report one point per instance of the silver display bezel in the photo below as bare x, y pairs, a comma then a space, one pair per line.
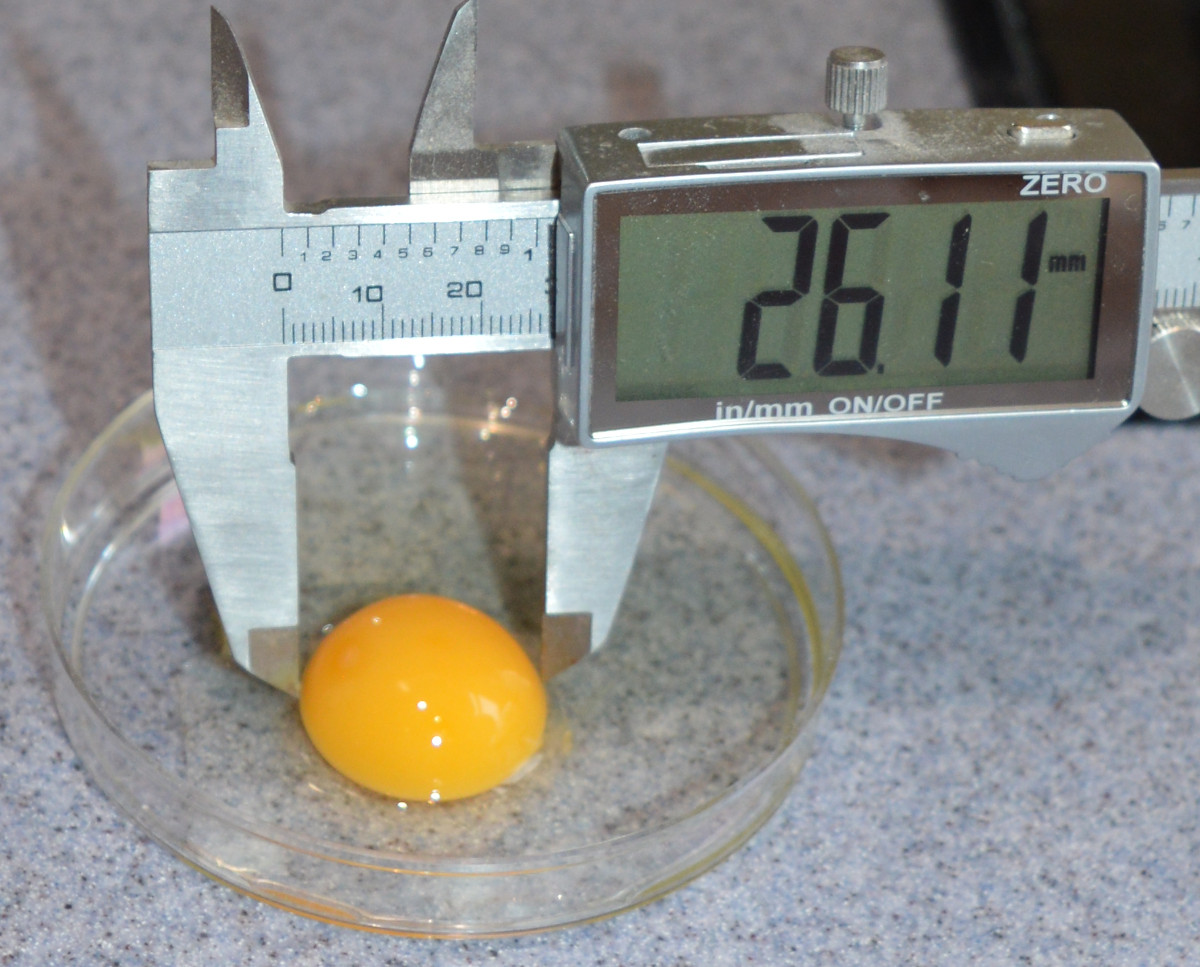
1025, 429
1115, 339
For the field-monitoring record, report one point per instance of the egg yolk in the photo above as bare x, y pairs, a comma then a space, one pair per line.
423, 698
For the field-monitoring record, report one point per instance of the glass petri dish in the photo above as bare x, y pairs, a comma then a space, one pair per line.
665, 750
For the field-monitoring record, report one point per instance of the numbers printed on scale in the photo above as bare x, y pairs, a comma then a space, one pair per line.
350, 251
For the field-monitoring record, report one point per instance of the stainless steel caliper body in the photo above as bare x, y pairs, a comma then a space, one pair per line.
238, 288
240, 284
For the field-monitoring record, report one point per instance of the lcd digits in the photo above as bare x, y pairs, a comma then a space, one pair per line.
906, 296
838, 294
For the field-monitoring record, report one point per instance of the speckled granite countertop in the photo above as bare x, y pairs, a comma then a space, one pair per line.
1007, 769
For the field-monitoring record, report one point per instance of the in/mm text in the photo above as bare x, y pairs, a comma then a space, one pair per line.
864, 405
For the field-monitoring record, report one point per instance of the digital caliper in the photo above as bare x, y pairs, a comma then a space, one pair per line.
978, 280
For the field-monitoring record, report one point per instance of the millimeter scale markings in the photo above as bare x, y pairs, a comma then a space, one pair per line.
333, 236
1178, 298
324, 273
333, 331
1178, 268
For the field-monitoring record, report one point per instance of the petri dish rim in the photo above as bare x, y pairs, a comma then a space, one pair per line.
79, 710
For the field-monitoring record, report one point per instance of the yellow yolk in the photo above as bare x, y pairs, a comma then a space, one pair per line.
423, 698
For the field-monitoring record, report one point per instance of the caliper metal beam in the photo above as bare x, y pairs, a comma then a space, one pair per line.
238, 289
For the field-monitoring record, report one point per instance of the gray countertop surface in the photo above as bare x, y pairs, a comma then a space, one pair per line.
1007, 769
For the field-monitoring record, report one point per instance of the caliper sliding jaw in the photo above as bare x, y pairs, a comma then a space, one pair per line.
221, 387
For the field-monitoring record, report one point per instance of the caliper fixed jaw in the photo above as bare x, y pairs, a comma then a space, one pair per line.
218, 229
222, 409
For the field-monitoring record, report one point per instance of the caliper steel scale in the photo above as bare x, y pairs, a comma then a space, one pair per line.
240, 284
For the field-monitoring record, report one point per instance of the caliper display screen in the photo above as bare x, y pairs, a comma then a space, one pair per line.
858, 298
953, 291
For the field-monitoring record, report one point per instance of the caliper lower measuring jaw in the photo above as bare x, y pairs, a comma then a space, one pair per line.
978, 280
227, 269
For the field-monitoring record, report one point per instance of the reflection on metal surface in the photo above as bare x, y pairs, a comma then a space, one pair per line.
1173, 380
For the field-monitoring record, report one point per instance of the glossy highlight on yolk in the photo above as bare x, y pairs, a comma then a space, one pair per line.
423, 698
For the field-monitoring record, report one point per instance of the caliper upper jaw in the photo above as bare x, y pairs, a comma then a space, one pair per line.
445, 157
243, 184
223, 409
